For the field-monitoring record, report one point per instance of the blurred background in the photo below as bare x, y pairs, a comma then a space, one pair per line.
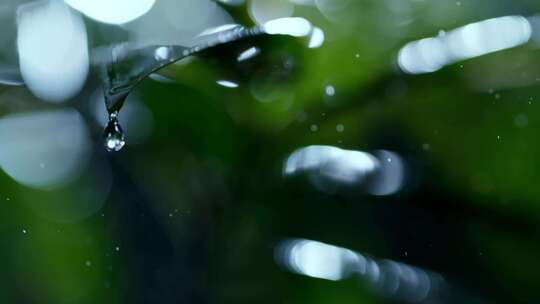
358, 151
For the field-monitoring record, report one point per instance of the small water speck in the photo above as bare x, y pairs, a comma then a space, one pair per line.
314, 128
88, 263
426, 147
330, 90
117, 248
340, 128
24, 231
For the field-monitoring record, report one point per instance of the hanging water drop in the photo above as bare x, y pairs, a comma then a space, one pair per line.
113, 134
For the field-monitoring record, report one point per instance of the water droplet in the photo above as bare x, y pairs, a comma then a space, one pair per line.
24, 231
113, 134
314, 128
88, 263
330, 90
117, 248
340, 128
